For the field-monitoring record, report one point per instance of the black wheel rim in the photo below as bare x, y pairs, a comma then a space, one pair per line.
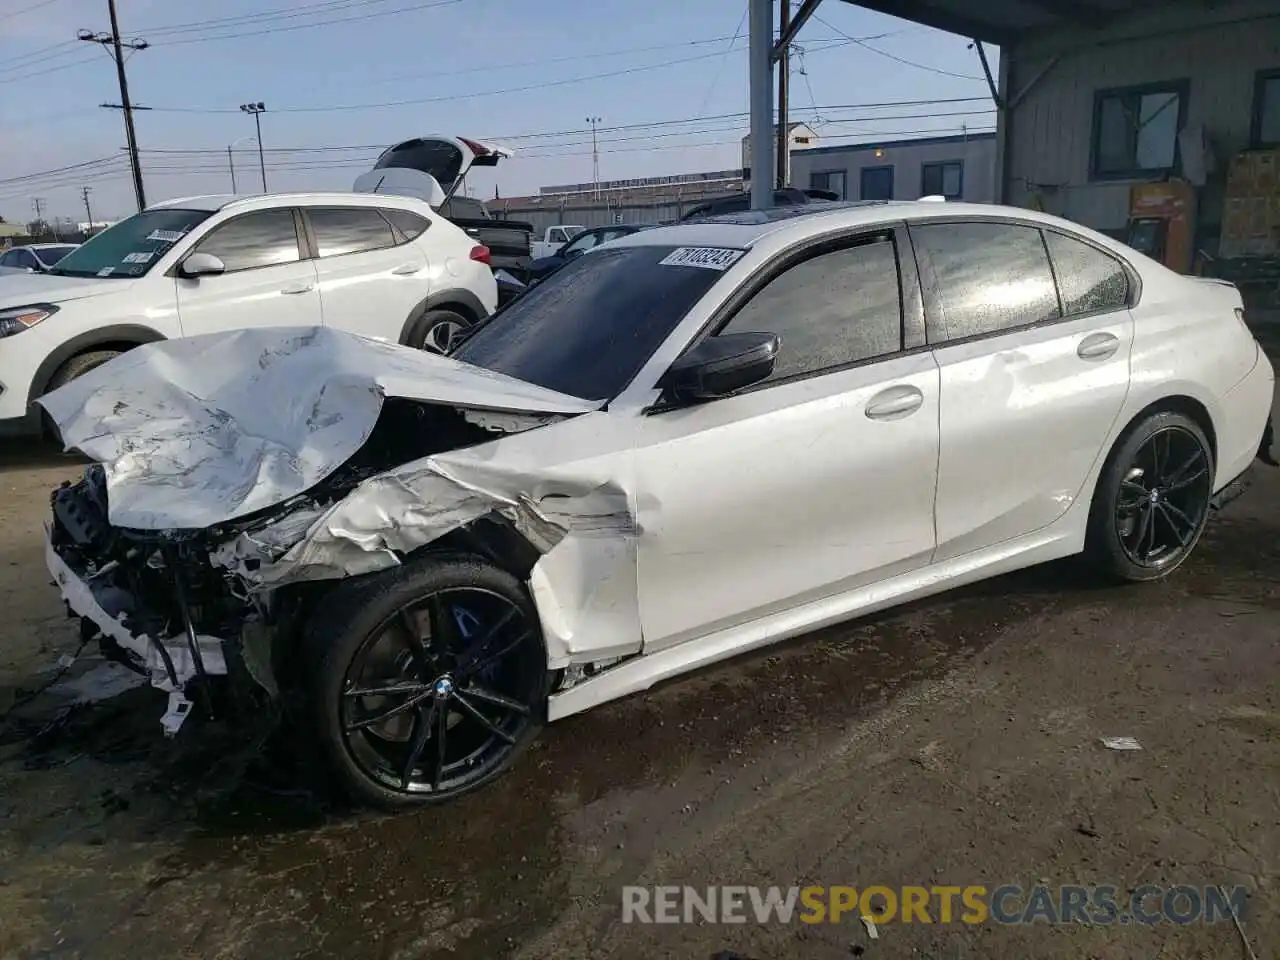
440, 693
1164, 498
442, 337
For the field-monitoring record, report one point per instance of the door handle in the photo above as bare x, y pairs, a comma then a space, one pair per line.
298, 288
895, 403
406, 268
1098, 346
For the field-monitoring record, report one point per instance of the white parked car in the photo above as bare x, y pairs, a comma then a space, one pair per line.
699, 440
381, 266
34, 257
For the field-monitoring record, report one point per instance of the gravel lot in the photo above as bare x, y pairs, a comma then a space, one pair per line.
954, 741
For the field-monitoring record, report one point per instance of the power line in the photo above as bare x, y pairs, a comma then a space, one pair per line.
19, 12
100, 161
266, 16
909, 63
432, 4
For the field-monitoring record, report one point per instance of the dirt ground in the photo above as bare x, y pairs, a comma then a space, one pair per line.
955, 741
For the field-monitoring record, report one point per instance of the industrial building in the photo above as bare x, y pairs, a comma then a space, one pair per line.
1155, 122
959, 167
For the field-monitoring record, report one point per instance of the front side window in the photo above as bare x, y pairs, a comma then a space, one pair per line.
986, 277
583, 242
342, 230
1266, 110
942, 179
831, 310
9, 259
267, 238
1089, 281
589, 330
877, 183
131, 247
1136, 131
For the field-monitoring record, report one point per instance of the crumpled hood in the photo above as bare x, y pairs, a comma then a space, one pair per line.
20, 289
201, 430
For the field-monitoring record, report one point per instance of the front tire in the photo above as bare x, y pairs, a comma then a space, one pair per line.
1152, 500
440, 331
429, 679
78, 366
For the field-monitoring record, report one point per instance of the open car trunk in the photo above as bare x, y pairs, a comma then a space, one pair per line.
434, 168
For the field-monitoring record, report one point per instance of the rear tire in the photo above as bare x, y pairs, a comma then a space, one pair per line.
78, 366
459, 640
1152, 500
439, 331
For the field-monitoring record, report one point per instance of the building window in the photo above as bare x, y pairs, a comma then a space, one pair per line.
944, 179
877, 183
832, 180
1135, 130
1266, 110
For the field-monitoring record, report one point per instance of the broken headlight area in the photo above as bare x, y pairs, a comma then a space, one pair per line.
184, 605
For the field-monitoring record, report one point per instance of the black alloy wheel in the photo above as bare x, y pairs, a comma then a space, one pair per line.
1154, 499
433, 683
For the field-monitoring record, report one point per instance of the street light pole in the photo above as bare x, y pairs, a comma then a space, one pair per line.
256, 110
595, 159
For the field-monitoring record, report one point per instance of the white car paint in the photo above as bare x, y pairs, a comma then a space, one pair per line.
371, 292
679, 537
553, 238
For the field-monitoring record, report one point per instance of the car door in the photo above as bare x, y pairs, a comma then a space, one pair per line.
371, 276
1034, 370
812, 483
267, 282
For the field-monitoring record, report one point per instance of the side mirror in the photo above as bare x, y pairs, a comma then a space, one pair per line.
201, 265
719, 366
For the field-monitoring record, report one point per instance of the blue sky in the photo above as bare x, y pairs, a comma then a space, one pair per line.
556, 61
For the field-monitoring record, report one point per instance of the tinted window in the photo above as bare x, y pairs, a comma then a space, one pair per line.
988, 277
131, 247
833, 309
831, 180
877, 183
264, 239
942, 179
584, 241
1088, 279
27, 259
410, 224
589, 329
340, 230
1268, 110
464, 208
10, 259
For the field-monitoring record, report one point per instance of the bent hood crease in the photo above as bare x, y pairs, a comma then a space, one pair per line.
201, 430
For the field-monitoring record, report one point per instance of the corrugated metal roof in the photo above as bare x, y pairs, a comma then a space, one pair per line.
1000, 21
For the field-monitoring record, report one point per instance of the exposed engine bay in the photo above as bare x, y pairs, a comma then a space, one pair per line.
161, 602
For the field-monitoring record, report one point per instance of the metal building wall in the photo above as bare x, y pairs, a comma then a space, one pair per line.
907, 158
1218, 49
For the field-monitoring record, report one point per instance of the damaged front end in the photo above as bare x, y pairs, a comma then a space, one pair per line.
183, 602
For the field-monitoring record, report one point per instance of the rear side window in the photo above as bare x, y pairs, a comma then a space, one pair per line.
410, 224
1089, 280
342, 230
986, 277
831, 310
264, 239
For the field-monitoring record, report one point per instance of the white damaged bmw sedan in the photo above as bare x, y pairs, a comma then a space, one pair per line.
699, 440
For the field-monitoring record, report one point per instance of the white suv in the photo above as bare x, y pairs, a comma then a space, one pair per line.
385, 267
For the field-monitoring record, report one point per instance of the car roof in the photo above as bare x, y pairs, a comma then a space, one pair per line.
46, 246
791, 223
212, 203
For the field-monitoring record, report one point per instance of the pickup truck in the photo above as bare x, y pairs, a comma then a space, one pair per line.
434, 169
553, 238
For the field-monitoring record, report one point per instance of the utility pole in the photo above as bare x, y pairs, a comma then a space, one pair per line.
38, 203
231, 165
595, 159
84, 192
784, 70
112, 43
256, 110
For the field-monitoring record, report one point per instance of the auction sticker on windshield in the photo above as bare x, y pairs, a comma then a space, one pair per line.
710, 258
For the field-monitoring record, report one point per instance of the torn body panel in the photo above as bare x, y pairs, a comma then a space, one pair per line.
192, 500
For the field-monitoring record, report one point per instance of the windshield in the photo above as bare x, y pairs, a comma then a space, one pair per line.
51, 255
131, 247
589, 329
